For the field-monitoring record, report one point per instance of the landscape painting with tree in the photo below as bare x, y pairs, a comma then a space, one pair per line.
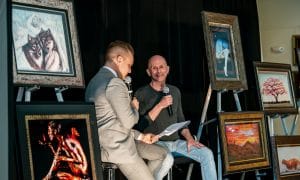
275, 86
244, 141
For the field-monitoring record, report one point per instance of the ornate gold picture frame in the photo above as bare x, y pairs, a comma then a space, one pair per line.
45, 44
224, 51
244, 141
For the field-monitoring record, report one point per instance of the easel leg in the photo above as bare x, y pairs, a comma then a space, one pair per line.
219, 109
294, 125
243, 176
204, 111
219, 158
58, 92
283, 123
237, 100
28, 92
20, 94
272, 134
258, 175
189, 173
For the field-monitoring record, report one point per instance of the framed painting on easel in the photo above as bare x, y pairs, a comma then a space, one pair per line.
244, 141
224, 51
45, 44
59, 141
275, 88
286, 156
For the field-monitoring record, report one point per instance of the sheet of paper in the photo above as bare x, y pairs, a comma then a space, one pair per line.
173, 128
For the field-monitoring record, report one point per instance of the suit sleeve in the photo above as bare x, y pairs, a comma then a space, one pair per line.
117, 95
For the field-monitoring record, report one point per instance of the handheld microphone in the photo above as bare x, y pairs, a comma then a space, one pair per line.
166, 92
127, 81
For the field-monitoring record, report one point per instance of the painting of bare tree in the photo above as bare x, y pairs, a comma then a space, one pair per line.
275, 87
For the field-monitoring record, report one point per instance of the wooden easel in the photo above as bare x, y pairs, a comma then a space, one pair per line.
219, 109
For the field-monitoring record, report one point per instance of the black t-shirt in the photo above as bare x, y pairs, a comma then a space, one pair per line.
148, 98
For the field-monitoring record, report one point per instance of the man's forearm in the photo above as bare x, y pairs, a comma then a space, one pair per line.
187, 134
155, 111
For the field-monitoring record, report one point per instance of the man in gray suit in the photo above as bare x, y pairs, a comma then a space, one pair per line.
117, 114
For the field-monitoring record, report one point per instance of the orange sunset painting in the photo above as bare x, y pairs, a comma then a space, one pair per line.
243, 141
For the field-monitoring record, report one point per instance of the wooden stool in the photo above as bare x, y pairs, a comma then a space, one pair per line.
111, 170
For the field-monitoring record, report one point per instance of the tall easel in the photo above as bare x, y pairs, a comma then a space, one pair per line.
219, 109
28, 91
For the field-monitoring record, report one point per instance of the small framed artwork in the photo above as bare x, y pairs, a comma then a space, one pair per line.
224, 51
244, 141
275, 88
45, 45
286, 156
59, 141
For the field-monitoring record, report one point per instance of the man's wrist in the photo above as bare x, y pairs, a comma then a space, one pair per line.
159, 106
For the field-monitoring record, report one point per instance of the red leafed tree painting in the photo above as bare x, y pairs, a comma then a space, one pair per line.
273, 87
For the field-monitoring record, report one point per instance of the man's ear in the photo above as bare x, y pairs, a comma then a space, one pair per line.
168, 69
148, 72
120, 59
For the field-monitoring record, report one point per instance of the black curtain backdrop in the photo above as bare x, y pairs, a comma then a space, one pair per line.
172, 28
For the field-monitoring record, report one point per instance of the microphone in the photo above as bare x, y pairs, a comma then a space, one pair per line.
127, 81
166, 92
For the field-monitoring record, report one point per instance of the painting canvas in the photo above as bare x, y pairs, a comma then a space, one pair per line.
225, 63
286, 153
244, 141
59, 141
45, 45
275, 87
224, 51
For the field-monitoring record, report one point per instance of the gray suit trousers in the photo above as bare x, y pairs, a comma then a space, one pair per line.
154, 156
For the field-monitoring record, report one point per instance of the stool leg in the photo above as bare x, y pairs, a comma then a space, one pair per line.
111, 174
188, 176
169, 175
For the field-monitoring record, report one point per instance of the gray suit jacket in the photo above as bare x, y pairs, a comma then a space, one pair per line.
115, 117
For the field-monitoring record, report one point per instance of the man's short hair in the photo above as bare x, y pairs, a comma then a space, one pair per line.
116, 46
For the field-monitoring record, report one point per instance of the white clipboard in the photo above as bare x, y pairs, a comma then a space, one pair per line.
173, 128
